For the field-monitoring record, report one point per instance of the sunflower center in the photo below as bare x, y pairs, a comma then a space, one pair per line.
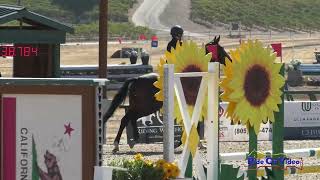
257, 85
190, 85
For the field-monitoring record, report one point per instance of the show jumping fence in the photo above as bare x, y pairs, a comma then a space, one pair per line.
210, 79
172, 85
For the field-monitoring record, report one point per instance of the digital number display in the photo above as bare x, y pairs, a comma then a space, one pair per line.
24, 51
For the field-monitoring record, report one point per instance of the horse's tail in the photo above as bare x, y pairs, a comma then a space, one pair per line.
118, 99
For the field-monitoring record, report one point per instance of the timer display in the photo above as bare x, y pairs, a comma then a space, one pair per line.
23, 51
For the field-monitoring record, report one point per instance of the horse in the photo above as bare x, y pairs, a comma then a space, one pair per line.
141, 93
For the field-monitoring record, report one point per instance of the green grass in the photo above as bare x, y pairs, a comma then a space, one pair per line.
296, 14
88, 26
124, 29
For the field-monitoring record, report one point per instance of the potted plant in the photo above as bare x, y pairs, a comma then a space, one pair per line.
145, 58
133, 57
139, 168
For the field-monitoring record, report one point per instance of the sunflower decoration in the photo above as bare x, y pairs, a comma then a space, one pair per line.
186, 58
252, 85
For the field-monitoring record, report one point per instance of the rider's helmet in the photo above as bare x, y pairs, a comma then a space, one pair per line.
176, 31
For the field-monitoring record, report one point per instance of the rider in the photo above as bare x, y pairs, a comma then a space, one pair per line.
176, 33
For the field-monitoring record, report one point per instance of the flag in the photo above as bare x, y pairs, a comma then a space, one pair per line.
154, 38
120, 40
277, 48
214, 50
142, 37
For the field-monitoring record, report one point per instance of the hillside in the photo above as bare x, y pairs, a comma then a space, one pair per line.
86, 23
281, 14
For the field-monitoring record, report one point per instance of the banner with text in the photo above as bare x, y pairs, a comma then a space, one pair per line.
301, 122
44, 136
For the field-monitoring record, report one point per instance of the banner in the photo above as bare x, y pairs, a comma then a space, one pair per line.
237, 132
46, 139
301, 122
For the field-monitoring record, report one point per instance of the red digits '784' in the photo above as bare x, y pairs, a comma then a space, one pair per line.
24, 51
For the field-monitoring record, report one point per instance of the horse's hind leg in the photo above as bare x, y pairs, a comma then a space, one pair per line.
135, 132
135, 129
124, 123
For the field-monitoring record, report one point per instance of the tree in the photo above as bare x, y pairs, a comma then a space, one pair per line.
78, 7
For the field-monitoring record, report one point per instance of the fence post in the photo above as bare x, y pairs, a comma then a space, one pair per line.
253, 148
213, 121
277, 131
168, 120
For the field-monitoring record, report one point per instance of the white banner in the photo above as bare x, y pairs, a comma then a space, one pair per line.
230, 132
297, 114
302, 114
48, 136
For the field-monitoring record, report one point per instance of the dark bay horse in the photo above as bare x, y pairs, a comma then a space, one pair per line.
141, 93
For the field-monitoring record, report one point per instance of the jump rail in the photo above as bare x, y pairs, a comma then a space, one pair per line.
309, 69
116, 74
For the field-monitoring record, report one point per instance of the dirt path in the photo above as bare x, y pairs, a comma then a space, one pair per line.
147, 14
178, 12
161, 15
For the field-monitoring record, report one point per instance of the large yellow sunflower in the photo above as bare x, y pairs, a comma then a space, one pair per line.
186, 58
252, 85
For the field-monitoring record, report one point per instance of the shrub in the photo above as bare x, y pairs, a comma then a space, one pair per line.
142, 169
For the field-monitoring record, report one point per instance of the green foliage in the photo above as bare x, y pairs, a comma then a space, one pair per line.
228, 172
71, 10
84, 14
118, 29
297, 14
44, 7
118, 10
294, 65
78, 7
137, 170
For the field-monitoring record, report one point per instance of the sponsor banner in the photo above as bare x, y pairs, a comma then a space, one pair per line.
302, 122
302, 114
150, 129
48, 140
302, 133
237, 132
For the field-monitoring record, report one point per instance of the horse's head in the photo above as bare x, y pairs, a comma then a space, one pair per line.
222, 54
